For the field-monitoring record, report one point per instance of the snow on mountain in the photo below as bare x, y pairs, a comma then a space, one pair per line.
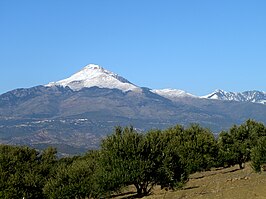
217, 94
247, 96
95, 75
172, 93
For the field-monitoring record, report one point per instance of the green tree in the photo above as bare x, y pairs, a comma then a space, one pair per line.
74, 180
258, 155
129, 157
227, 155
47, 163
19, 174
196, 147
235, 146
174, 168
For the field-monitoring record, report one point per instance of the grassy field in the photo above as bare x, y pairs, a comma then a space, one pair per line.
230, 183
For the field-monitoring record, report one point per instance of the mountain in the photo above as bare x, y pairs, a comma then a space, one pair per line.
172, 94
94, 75
74, 114
247, 96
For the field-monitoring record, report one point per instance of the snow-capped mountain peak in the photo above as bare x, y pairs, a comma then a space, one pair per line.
217, 94
247, 96
93, 66
95, 75
172, 93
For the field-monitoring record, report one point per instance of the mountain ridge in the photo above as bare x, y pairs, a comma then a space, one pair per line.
95, 75
58, 115
246, 96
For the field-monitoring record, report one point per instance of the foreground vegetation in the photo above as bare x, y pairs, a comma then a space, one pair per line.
157, 158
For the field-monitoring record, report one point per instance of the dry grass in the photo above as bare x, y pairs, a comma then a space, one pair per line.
229, 183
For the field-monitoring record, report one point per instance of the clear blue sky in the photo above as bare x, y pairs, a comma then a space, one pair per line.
193, 45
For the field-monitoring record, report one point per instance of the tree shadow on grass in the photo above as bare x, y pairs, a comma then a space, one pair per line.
231, 171
218, 168
198, 177
192, 187
126, 194
203, 176
212, 174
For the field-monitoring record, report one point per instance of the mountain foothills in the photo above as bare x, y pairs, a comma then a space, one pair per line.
74, 114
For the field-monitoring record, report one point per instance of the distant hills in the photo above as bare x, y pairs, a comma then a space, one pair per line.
75, 113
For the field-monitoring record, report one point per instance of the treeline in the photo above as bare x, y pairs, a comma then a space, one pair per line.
126, 157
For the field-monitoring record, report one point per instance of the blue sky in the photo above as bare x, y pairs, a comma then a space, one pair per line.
193, 45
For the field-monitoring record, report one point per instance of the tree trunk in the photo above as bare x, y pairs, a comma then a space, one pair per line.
139, 189
241, 165
142, 189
